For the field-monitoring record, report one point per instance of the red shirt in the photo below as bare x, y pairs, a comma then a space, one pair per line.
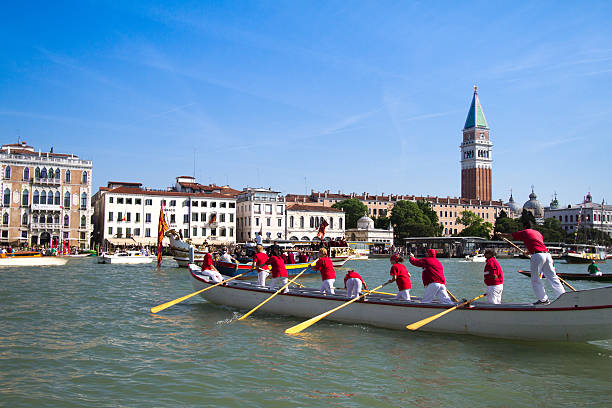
278, 267
533, 240
303, 257
284, 256
325, 266
291, 258
433, 272
207, 263
493, 274
260, 260
353, 274
401, 275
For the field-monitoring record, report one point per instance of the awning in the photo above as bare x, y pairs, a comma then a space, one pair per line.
121, 241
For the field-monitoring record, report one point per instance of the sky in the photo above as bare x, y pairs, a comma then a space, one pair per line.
359, 96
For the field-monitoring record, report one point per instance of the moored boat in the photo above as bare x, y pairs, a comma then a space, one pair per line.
475, 258
575, 316
125, 257
585, 254
31, 259
605, 277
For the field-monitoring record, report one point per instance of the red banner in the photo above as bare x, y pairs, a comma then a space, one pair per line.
162, 227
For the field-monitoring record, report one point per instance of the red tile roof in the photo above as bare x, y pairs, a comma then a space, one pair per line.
319, 208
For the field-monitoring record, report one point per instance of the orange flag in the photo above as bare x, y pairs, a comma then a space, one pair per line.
321, 233
162, 227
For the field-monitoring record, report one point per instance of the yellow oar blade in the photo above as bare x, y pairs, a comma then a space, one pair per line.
565, 283
304, 325
275, 293
179, 300
421, 323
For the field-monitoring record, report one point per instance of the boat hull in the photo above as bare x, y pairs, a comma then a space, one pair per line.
33, 261
586, 258
230, 269
563, 320
606, 277
126, 260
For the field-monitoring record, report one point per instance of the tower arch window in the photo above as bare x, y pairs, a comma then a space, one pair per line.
67, 177
49, 219
312, 222
57, 174
84, 200
36, 197
6, 199
56, 219
66, 221
83, 221
67, 200
43, 173
50, 197
7, 172
24, 219
5, 218
26, 173
37, 173
25, 197
57, 198
84, 178
51, 172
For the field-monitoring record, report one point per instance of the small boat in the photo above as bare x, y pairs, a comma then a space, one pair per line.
585, 254
341, 255
231, 270
475, 258
180, 250
125, 257
605, 277
27, 258
575, 316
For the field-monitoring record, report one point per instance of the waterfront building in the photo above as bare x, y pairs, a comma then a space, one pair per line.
587, 214
447, 208
46, 198
260, 210
365, 232
128, 214
534, 207
303, 222
476, 155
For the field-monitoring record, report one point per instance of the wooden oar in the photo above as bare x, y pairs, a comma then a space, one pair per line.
179, 300
270, 298
304, 325
380, 293
451, 295
514, 245
421, 323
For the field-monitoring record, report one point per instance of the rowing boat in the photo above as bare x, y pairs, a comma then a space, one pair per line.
230, 269
606, 277
31, 259
575, 316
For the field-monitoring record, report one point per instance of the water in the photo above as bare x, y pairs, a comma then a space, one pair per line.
82, 335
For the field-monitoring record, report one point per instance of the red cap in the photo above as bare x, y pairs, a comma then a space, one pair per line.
432, 253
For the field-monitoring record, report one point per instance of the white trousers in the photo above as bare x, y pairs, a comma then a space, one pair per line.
542, 263
213, 275
436, 290
279, 282
353, 287
262, 274
403, 294
328, 286
494, 293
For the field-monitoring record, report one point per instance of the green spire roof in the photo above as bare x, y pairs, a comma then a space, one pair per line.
476, 117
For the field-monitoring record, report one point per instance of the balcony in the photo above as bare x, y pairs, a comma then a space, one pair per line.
49, 181
46, 207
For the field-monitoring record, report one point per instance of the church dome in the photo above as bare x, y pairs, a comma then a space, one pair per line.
554, 204
534, 206
513, 206
365, 222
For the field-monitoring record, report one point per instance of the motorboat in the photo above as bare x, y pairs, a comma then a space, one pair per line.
125, 257
29, 258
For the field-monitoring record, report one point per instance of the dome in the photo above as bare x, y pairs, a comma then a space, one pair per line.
554, 204
365, 222
513, 206
534, 206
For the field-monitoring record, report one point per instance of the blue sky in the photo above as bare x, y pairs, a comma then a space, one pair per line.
295, 95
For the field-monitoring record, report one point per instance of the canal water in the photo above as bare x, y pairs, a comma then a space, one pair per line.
82, 335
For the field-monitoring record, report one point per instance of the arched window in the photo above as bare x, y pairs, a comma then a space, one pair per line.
67, 176
43, 173
84, 200
340, 223
57, 174
7, 172
24, 219
5, 219
83, 221
84, 178
56, 219
331, 222
67, 200
26, 173
317, 222
291, 222
7, 197
37, 173
49, 219
25, 197
35, 197
35, 219
50, 197
312, 224
301, 222
51, 172
57, 198
66, 221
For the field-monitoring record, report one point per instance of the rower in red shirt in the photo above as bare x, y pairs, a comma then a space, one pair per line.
208, 268
433, 277
328, 275
259, 262
401, 276
303, 257
291, 258
493, 277
279, 272
353, 282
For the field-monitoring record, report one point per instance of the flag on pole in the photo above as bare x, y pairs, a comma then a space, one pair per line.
162, 227
213, 219
321, 233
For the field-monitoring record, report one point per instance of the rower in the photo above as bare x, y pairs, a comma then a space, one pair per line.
259, 263
279, 272
328, 275
493, 277
353, 282
594, 269
401, 276
433, 277
208, 268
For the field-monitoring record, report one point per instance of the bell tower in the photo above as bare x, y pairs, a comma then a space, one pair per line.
476, 158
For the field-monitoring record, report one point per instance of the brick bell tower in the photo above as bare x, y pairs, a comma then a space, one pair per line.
476, 158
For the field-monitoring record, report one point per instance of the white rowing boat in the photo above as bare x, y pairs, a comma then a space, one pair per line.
575, 316
127, 257
32, 260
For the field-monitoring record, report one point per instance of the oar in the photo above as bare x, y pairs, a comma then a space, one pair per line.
380, 293
560, 278
179, 300
451, 295
512, 243
304, 325
421, 323
270, 298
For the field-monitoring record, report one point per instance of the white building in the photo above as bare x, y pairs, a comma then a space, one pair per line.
125, 214
584, 215
366, 232
45, 198
303, 222
260, 210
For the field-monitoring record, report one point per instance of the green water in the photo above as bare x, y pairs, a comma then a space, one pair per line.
82, 335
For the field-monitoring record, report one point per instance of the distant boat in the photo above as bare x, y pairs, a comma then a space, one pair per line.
606, 277
27, 258
475, 258
585, 254
126, 257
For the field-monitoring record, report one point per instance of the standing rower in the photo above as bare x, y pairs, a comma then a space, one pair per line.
279, 272
493, 277
433, 277
328, 275
401, 276
259, 263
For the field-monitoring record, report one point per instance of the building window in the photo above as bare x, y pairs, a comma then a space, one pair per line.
195, 231
67, 220
185, 218
231, 218
279, 209
57, 174
67, 176
204, 203
231, 232
57, 198
256, 221
37, 173
232, 205
119, 232
110, 199
194, 217
84, 200
194, 204
83, 221
268, 222
137, 217
5, 218
257, 208
268, 208
24, 219
280, 222
291, 222
222, 204
222, 232
110, 215
301, 222
203, 231
173, 218
172, 203
128, 201
26, 173
84, 178
36, 197
312, 222
331, 222
213, 203
24, 234
7, 172
203, 217
213, 232
147, 232
128, 232
120, 216
7, 197
50, 197
119, 200
25, 197
340, 223
148, 217
221, 217
66, 200
128, 217
148, 201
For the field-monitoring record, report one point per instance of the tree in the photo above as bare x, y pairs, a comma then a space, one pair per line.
505, 224
354, 210
475, 226
425, 206
551, 230
382, 222
408, 220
